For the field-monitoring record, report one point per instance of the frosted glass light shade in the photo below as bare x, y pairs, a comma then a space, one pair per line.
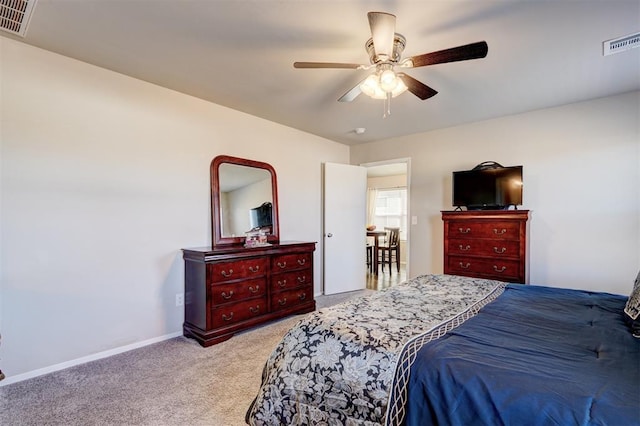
377, 85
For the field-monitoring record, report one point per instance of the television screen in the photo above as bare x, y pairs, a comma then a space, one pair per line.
260, 217
495, 188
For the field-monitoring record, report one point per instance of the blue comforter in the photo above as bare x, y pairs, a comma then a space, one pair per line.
535, 356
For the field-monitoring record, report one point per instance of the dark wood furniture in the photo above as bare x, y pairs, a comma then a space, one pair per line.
239, 173
486, 244
390, 249
233, 288
376, 245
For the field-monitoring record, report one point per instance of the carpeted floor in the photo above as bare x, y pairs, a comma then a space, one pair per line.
175, 382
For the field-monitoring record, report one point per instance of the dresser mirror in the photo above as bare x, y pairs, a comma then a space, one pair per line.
244, 198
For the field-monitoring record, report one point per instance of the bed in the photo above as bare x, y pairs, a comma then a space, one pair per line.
442, 349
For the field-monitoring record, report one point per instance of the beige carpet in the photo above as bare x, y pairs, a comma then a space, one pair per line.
175, 382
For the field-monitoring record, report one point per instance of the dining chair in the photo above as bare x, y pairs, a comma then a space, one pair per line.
389, 251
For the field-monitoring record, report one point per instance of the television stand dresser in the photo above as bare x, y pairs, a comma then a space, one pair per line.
486, 244
233, 288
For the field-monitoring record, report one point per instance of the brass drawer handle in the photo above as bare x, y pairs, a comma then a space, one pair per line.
465, 265
227, 296
301, 262
282, 265
302, 296
254, 310
499, 231
495, 268
282, 283
256, 269
463, 248
302, 279
227, 318
227, 274
499, 251
254, 290
282, 302
464, 230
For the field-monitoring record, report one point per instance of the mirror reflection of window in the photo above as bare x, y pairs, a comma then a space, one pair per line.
241, 190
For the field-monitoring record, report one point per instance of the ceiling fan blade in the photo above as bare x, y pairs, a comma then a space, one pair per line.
353, 93
383, 29
325, 65
460, 53
416, 87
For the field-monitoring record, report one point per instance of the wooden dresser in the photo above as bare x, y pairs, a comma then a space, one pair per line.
233, 288
486, 244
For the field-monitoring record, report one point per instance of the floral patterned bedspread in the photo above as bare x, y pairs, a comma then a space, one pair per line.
337, 365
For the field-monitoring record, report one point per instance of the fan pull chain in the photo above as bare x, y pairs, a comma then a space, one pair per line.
387, 106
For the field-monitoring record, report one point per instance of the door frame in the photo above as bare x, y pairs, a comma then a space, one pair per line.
406, 160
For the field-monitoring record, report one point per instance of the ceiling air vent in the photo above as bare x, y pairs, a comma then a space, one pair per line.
15, 15
621, 44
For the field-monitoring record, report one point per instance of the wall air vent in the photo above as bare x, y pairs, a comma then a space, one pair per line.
15, 15
621, 44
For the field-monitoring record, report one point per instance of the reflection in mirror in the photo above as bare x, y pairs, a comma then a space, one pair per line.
244, 198
243, 193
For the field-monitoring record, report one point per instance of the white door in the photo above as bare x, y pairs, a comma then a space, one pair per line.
345, 189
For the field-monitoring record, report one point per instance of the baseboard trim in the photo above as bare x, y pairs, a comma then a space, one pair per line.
94, 357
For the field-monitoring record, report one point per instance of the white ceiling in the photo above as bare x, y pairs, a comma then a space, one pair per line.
240, 54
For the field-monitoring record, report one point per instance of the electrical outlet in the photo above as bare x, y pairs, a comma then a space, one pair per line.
179, 299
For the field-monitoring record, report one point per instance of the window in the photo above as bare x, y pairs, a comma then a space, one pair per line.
391, 210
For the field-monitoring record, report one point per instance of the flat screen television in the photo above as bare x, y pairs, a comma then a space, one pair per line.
261, 216
488, 188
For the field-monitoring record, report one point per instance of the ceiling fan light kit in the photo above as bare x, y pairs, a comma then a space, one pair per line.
381, 83
385, 49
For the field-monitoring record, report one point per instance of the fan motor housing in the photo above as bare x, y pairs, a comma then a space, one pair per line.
399, 43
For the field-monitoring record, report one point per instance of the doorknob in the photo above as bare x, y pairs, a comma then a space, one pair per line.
329, 235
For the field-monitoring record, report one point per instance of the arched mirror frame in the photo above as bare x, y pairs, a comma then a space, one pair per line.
218, 240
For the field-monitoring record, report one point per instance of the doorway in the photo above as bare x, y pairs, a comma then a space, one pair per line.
388, 190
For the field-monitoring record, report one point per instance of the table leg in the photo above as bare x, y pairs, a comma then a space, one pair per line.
376, 245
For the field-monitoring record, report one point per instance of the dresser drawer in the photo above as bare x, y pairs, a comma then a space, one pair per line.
500, 269
237, 269
230, 288
484, 247
290, 280
235, 312
289, 262
291, 298
236, 292
502, 230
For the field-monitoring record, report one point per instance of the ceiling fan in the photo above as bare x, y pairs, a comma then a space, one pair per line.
385, 49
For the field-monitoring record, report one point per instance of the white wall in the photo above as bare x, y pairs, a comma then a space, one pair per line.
581, 183
383, 182
104, 178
